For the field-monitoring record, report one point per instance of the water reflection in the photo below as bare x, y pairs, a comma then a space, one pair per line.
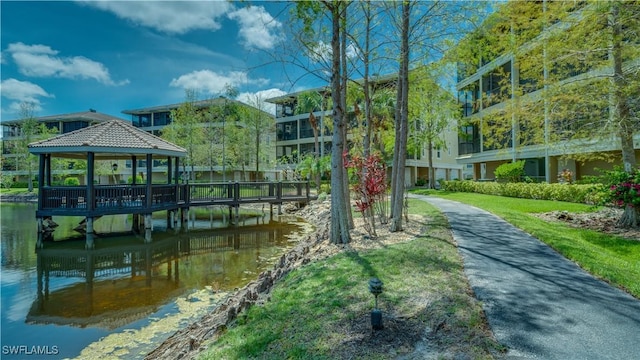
47, 300
119, 282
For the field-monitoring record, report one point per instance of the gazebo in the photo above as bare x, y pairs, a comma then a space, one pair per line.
112, 140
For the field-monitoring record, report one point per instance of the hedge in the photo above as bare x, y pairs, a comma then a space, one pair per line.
593, 194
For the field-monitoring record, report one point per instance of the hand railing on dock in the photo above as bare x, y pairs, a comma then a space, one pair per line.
120, 198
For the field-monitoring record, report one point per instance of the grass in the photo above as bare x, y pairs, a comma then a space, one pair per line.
322, 310
17, 191
609, 257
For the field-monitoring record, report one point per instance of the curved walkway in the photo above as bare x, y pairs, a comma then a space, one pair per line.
539, 304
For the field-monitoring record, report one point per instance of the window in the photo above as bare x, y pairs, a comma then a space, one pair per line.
287, 131
73, 125
142, 120
306, 130
468, 98
469, 139
161, 118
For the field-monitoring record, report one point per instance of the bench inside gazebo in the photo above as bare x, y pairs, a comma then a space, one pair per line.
108, 141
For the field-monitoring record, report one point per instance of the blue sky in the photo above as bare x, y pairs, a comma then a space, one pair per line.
110, 56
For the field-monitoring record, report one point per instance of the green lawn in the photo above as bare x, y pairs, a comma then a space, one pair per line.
322, 310
17, 191
611, 258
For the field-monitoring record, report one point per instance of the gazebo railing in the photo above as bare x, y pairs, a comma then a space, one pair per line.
164, 196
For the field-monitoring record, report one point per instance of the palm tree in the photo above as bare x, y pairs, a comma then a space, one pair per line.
310, 102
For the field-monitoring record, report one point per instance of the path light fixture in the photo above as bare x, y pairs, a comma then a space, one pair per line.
375, 287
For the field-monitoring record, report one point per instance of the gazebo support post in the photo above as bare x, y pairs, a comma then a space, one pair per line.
89, 235
183, 216
169, 177
147, 228
237, 220
135, 223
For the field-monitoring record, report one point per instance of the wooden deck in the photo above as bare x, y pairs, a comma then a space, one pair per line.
138, 199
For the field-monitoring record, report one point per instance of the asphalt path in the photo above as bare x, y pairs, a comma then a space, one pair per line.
539, 304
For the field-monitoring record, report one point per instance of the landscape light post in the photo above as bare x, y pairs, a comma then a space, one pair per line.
375, 287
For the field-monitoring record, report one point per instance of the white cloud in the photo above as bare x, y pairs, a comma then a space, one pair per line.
176, 17
321, 52
213, 83
43, 61
22, 92
258, 29
257, 99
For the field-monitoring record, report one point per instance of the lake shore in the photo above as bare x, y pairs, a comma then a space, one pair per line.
189, 342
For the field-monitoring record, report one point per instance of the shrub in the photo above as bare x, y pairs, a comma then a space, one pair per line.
6, 181
71, 181
510, 172
138, 180
586, 193
23, 185
421, 182
325, 188
624, 188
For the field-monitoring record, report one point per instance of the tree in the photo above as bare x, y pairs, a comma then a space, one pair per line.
432, 110
424, 31
260, 126
402, 123
239, 149
186, 130
222, 110
31, 131
371, 187
359, 43
340, 209
578, 77
310, 102
311, 167
328, 60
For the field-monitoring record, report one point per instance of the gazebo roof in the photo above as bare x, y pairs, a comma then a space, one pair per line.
115, 139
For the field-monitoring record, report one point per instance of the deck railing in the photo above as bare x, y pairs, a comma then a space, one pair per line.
122, 198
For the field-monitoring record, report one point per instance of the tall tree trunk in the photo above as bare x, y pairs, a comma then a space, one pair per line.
366, 140
343, 84
400, 154
257, 154
339, 222
620, 109
316, 154
431, 172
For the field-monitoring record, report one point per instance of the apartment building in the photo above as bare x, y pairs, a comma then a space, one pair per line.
295, 137
534, 102
12, 131
223, 160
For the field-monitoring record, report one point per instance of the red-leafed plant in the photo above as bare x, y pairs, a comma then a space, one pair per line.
371, 186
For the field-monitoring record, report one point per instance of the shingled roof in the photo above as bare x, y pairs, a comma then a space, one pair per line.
112, 139
90, 116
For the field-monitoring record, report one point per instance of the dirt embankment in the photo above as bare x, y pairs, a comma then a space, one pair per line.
188, 342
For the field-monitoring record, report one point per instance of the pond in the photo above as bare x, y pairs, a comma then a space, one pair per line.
124, 297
